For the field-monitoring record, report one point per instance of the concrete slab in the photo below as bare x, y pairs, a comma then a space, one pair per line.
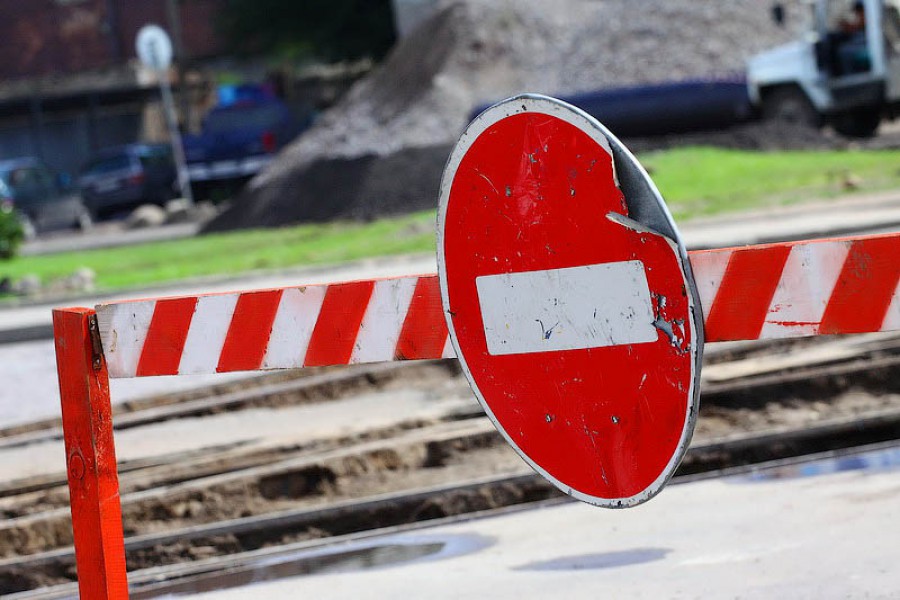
30, 390
812, 532
259, 428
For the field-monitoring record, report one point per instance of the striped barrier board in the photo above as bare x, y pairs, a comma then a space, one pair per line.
563, 288
758, 292
309, 326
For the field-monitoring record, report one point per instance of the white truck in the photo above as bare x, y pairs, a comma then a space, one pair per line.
843, 71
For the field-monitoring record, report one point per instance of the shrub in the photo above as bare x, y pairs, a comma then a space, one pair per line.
11, 233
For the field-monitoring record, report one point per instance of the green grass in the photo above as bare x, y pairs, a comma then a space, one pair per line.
706, 181
234, 253
694, 181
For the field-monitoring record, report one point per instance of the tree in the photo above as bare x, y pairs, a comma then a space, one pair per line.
324, 29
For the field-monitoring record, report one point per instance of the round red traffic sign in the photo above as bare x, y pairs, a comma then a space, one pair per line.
574, 323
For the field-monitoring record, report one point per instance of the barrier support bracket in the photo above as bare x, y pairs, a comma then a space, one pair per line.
90, 456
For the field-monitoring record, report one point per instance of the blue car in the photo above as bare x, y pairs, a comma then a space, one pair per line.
238, 140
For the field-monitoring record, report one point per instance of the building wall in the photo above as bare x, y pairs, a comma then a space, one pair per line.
44, 36
65, 141
60, 37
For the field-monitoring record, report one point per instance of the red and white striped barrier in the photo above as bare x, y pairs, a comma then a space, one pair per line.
757, 292
339, 324
602, 421
800, 289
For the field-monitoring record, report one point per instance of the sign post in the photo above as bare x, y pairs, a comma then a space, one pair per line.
154, 48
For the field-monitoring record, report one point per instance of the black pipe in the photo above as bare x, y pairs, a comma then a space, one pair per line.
665, 108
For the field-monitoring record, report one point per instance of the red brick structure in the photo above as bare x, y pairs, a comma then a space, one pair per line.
61, 37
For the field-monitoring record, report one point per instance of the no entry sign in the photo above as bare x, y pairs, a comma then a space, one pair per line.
565, 292
569, 300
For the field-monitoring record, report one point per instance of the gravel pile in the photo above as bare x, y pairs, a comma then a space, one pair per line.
473, 51
482, 50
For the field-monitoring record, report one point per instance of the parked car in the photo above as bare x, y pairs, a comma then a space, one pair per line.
238, 140
127, 176
43, 200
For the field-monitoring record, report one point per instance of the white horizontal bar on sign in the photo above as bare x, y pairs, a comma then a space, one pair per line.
593, 306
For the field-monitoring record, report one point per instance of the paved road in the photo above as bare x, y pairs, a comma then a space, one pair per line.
30, 391
870, 213
106, 235
789, 533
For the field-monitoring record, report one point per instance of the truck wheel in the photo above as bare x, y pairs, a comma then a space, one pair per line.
790, 106
857, 124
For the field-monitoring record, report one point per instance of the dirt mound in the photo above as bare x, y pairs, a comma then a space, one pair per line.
360, 188
478, 50
474, 51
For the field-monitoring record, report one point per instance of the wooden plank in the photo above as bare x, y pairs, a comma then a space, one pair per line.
90, 456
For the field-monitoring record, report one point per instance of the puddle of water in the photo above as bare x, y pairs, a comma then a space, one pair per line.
606, 560
885, 459
383, 553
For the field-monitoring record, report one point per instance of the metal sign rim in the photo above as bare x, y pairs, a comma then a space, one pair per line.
154, 32
644, 192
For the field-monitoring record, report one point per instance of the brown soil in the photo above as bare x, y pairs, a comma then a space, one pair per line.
462, 448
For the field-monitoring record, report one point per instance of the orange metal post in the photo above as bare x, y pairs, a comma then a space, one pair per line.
90, 456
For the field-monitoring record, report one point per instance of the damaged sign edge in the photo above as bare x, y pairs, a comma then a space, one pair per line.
648, 213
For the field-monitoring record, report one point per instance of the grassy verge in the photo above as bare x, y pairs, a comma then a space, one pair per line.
234, 253
695, 181
707, 181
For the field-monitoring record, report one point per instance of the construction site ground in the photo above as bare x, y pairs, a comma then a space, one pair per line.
326, 453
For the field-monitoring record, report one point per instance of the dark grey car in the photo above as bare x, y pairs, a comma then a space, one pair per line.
41, 198
128, 176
